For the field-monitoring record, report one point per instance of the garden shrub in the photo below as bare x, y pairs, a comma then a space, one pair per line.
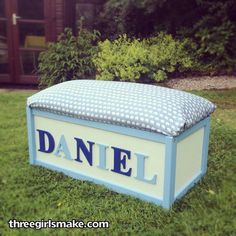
150, 59
211, 25
69, 58
215, 35
168, 55
216, 50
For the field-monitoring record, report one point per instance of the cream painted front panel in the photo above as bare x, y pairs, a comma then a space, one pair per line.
188, 159
154, 164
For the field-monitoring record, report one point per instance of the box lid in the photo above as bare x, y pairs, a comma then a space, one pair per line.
140, 106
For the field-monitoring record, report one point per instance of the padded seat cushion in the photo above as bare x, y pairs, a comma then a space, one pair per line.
140, 106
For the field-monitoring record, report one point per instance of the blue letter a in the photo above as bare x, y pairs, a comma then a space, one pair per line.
63, 148
42, 146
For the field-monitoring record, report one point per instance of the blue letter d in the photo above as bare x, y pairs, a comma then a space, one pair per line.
42, 145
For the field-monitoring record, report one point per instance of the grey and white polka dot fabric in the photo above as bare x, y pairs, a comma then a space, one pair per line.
139, 106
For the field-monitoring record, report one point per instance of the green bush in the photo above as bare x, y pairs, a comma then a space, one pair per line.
215, 35
211, 25
150, 59
69, 58
216, 50
168, 55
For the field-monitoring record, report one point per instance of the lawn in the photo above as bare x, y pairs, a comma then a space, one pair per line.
34, 193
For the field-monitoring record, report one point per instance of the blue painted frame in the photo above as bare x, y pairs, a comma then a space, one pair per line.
31, 135
170, 169
169, 195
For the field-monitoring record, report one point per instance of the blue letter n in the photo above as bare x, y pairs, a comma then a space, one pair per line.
88, 153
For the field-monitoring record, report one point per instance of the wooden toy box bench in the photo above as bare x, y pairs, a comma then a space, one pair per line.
142, 140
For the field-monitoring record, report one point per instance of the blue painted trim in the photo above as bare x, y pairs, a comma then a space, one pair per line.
205, 146
116, 188
192, 130
188, 186
31, 135
107, 127
170, 170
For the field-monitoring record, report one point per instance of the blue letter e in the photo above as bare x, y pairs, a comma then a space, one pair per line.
120, 157
42, 146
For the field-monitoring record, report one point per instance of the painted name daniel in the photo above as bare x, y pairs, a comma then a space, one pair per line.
84, 153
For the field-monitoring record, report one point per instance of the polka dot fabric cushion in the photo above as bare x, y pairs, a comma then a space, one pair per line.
140, 106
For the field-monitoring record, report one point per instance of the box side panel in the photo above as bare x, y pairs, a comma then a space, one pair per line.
153, 163
188, 160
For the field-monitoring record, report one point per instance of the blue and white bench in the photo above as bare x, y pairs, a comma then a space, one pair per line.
147, 141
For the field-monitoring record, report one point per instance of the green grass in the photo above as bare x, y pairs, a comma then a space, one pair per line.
34, 193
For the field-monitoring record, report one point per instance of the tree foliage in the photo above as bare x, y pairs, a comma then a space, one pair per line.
215, 34
127, 16
211, 25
